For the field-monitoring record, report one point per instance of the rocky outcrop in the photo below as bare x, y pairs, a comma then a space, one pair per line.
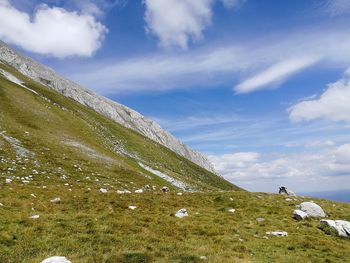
340, 226
299, 215
115, 111
312, 209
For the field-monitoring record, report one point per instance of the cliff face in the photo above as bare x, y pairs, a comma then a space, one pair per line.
115, 111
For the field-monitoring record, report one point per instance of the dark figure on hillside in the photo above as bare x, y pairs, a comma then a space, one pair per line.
284, 191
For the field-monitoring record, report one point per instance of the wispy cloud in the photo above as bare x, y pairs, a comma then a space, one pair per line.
336, 7
220, 65
276, 74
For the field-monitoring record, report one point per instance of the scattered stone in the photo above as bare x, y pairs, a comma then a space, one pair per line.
33, 195
203, 258
312, 209
165, 189
278, 233
132, 207
1, 204
231, 199
341, 226
139, 191
289, 200
231, 210
179, 194
56, 259
120, 192
56, 200
260, 219
299, 214
181, 213
265, 237
34, 217
103, 190
8, 180
284, 191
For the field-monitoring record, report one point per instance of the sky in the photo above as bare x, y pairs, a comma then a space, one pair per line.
262, 88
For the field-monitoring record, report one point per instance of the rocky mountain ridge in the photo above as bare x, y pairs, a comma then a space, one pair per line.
115, 111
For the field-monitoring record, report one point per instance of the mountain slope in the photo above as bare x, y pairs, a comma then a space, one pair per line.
117, 112
46, 132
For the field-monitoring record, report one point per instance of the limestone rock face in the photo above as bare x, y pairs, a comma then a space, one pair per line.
312, 209
115, 111
56, 259
342, 227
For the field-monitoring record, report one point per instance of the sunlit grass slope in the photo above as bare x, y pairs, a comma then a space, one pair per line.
51, 146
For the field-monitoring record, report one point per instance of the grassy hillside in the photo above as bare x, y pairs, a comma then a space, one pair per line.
96, 227
51, 146
64, 135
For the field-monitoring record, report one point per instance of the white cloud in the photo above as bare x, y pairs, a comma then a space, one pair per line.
328, 165
333, 104
175, 22
51, 31
275, 75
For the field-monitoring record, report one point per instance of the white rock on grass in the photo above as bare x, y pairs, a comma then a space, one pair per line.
179, 194
312, 209
231, 210
34, 217
341, 226
132, 207
1, 204
203, 258
139, 191
103, 190
299, 215
8, 180
278, 233
55, 200
181, 213
56, 259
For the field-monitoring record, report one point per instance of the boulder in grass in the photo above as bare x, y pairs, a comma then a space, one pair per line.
103, 190
181, 213
278, 233
56, 200
312, 209
139, 191
165, 189
231, 210
56, 259
342, 227
299, 215
132, 207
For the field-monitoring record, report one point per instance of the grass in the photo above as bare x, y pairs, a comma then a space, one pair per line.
96, 227
88, 226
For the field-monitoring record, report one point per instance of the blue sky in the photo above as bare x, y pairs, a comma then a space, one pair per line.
261, 87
